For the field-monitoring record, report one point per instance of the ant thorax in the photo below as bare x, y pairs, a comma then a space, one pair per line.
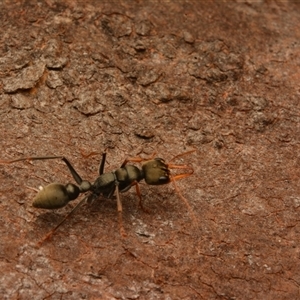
128, 175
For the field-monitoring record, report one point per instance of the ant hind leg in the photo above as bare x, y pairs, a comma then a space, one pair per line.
50, 234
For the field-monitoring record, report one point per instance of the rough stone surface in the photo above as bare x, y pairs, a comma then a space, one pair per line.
137, 77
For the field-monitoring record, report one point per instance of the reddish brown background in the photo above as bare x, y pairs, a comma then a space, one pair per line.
141, 76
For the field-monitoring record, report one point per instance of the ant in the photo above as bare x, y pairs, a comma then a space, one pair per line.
155, 171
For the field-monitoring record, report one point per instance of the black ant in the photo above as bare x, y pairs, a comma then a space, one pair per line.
154, 171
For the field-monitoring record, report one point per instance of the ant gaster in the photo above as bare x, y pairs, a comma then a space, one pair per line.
154, 171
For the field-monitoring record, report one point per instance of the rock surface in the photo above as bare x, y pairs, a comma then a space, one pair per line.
137, 77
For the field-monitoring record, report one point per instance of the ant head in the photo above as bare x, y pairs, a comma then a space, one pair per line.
156, 172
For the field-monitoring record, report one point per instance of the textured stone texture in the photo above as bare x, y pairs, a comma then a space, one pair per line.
135, 77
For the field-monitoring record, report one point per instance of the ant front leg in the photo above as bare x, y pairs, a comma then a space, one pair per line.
138, 192
185, 167
173, 180
183, 175
182, 154
137, 159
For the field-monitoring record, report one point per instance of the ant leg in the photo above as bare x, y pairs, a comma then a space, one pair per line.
102, 163
30, 158
7, 162
180, 176
184, 200
93, 153
182, 154
72, 170
138, 192
119, 206
84, 185
49, 235
137, 159
171, 166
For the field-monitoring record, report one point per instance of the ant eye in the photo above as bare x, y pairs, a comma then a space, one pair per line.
159, 159
164, 179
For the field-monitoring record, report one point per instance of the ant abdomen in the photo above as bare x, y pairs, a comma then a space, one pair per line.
55, 195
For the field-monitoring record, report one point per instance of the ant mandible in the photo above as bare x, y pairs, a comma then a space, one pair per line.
155, 171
